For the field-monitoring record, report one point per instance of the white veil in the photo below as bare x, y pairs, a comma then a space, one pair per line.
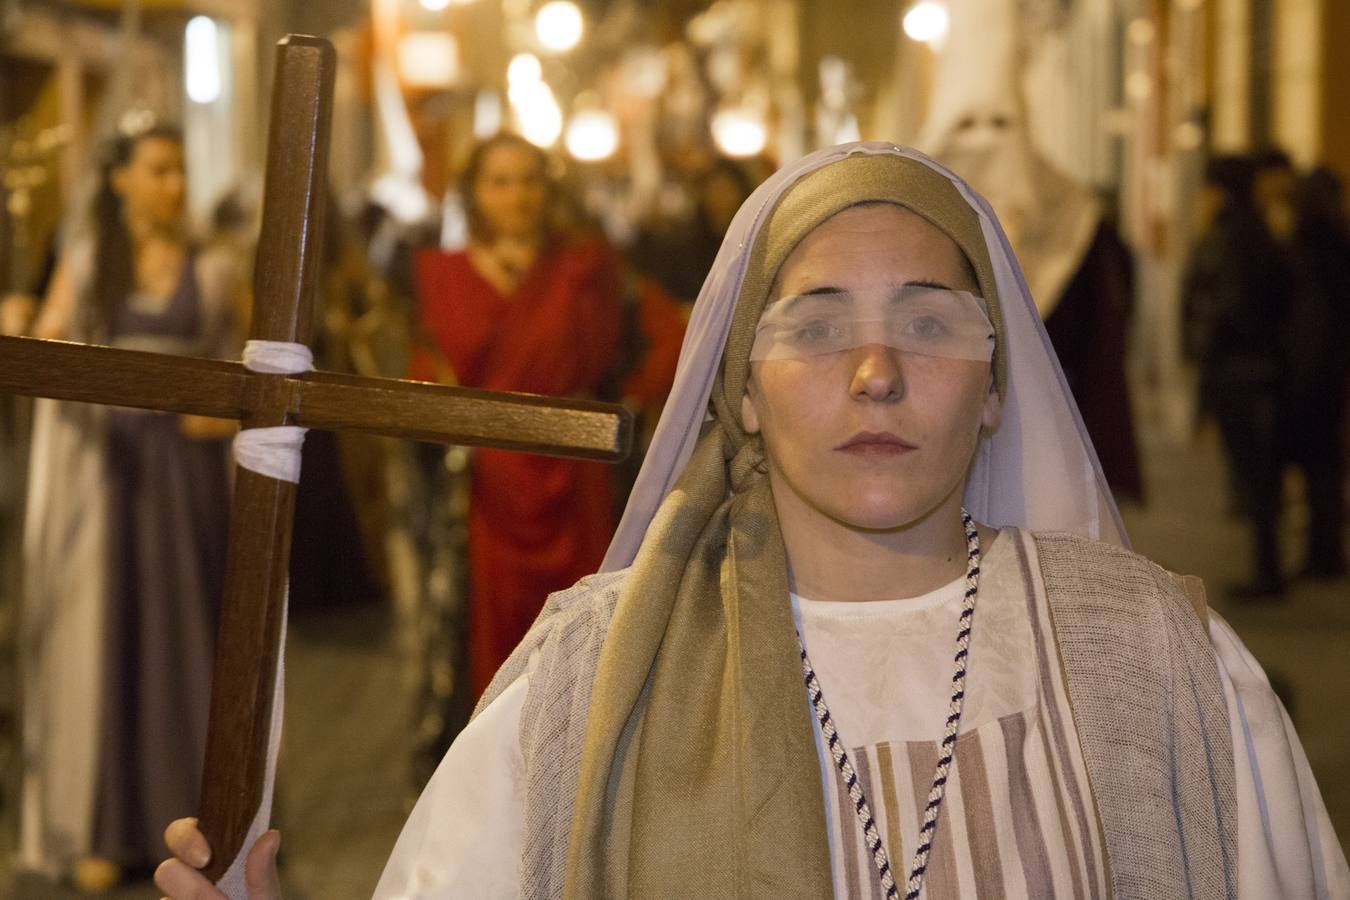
1037, 471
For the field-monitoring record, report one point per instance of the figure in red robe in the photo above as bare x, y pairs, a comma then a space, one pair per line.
522, 309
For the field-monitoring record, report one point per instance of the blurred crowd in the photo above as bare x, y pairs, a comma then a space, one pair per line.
521, 281
1266, 302
513, 286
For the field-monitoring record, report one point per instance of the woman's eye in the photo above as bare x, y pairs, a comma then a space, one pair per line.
814, 332
927, 327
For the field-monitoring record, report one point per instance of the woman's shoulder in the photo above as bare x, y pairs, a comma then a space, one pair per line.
585, 252
593, 597
439, 275
1071, 547
570, 629
217, 262
78, 256
1081, 570
435, 260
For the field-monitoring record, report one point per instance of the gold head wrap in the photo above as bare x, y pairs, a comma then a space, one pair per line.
699, 775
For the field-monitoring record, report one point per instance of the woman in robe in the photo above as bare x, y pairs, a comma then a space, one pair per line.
522, 309
868, 626
125, 537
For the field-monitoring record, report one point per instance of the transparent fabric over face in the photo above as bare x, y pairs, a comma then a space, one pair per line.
928, 320
1037, 471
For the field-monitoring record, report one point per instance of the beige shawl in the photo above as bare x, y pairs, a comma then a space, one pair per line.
698, 774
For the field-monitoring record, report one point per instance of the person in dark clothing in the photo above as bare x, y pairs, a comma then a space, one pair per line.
1273, 189
1317, 367
679, 254
1234, 306
1088, 328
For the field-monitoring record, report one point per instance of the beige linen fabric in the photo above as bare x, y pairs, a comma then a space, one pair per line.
1162, 764
699, 763
1161, 767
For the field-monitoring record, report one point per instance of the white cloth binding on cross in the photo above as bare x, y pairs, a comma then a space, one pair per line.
275, 451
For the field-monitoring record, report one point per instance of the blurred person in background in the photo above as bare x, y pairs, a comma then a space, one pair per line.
679, 253
522, 308
1077, 267
1273, 189
336, 549
125, 535
1317, 366
653, 324
1235, 301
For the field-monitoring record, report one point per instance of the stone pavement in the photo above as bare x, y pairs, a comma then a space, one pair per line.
344, 783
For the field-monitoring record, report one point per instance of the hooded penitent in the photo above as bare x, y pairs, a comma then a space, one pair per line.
978, 126
699, 765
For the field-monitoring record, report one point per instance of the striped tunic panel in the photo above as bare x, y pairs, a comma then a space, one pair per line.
1018, 819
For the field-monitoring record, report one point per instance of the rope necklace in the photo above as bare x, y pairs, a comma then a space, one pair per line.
938, 791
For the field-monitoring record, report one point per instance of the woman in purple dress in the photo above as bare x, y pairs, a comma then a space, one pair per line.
125, 536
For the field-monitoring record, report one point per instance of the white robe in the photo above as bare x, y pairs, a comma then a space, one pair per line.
464, 836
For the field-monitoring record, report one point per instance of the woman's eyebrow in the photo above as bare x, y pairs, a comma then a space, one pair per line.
924, 282
841, 295
824, 292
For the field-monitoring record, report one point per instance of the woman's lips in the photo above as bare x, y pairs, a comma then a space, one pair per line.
875, 443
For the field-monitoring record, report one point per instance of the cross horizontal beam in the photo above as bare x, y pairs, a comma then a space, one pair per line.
323, 400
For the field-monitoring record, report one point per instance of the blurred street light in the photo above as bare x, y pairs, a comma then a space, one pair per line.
1138, 86
538, 115
739, 132
927, 21
524, 68
201, 54
558, 25
592, 135
429, 59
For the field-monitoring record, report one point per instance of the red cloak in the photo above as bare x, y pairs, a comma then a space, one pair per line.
536, 523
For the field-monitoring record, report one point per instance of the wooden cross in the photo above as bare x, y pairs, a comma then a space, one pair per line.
261, 513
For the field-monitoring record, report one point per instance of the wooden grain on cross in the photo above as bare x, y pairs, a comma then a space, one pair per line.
261, 513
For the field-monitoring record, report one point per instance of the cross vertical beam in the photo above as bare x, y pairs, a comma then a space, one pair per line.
249, 637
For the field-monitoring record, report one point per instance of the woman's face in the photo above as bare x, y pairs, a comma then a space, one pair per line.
510, 192
151, 184
872, 437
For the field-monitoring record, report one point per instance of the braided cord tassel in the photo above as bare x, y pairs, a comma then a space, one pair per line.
939, 790
827, 729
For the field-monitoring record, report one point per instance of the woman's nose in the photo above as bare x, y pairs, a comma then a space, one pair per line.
876, 373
